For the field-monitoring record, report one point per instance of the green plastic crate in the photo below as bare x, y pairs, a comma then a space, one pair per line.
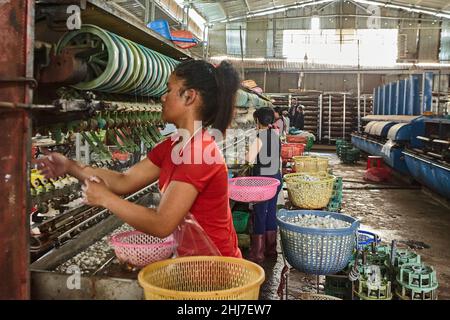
240, 221
338, 285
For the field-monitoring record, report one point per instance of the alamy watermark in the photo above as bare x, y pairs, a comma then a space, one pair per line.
235, 145
73, 281
374, 21
74, 20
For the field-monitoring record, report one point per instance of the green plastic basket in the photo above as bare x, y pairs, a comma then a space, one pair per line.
240, 221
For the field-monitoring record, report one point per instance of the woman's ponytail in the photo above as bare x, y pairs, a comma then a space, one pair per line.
227, 80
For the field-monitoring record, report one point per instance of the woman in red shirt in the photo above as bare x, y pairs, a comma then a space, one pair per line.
192, 173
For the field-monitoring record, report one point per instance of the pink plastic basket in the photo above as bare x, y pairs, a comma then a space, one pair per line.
252, 189
139, 249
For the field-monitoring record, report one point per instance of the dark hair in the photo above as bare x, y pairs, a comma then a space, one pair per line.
278, 110
264, 115
217, 87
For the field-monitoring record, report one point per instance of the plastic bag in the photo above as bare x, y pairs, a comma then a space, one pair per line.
192, 240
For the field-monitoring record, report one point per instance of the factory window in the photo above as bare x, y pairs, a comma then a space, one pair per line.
233, 38
371, 47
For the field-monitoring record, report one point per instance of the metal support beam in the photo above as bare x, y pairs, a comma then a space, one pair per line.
185, 22
329, 119
320, 116
359, 101
16, 32
365, 104
205, 41
248, 7
264, 82
150, 7
152, 15
343, 116
242, 52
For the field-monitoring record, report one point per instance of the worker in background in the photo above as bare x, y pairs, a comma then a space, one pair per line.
287, 121
279, 123
264, 154
296, 115
197, 91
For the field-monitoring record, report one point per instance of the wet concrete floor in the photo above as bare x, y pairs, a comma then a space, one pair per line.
405, 213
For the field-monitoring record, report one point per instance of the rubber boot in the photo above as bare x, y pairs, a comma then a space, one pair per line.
257, 246
271, 244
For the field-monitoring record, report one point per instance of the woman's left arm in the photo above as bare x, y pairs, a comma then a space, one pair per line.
175, 203
253, 151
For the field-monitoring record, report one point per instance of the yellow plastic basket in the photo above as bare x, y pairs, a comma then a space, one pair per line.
305, 164
322, 164
310, 164
309, 194
202, 278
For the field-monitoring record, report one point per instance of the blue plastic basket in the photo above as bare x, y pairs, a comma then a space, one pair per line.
316, 251
366, 238
161, 26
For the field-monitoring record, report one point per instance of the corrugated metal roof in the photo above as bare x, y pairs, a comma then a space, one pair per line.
210, 11
214, 10
435, 4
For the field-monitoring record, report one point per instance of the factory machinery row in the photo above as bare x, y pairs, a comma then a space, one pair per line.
93, 95
410, 129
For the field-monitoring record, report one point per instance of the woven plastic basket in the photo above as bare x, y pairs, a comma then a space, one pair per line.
139, 249
316, 251
309, 194
202, 278
296, 139
289, 150
322, 164
305, 164
252, 189
310, 164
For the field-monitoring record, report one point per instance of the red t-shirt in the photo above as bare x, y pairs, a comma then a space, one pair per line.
211, 208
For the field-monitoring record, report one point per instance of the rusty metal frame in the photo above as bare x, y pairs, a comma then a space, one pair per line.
16, 62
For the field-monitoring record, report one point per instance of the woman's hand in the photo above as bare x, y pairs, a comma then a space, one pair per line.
53, 165
95, 192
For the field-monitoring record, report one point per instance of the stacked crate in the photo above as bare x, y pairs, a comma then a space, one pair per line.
335, 203
339, 116
310, 100
325, 125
